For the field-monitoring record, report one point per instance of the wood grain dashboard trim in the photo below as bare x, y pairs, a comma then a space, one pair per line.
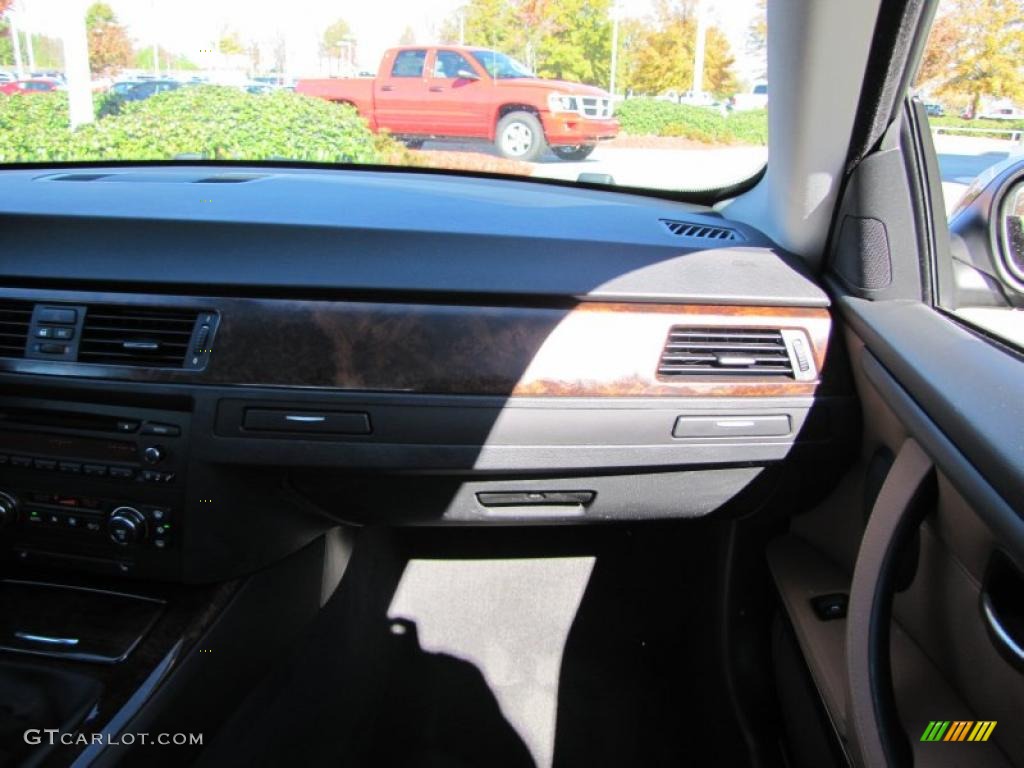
595, 349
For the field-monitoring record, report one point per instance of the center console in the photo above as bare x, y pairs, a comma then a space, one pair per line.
93, 486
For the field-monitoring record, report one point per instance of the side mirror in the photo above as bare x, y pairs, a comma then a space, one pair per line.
987, 231
1011, 227
465, 74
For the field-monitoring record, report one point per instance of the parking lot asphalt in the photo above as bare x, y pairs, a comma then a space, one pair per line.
961, 159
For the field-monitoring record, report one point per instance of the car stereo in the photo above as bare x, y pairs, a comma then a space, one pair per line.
93, 487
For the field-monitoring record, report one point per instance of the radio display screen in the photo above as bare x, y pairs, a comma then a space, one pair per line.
67, 446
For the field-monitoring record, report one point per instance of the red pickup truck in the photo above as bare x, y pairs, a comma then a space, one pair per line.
423, 92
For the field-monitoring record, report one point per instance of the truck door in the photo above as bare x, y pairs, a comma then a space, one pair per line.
457, 95
401, 93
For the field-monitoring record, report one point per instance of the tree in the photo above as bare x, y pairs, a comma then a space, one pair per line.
986, 51
335, 40
488, 24
937, 60
757, 38
577, 44
663, 59
143, 59
408, 37
279, 53
109, 47
230, 44
6, 33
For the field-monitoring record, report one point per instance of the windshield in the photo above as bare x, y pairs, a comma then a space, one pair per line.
500, 66
646, 94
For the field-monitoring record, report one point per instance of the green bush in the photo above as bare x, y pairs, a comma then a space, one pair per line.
34, 128
649, 117
208, 122
952, 123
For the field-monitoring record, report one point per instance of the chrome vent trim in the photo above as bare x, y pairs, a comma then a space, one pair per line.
724, 351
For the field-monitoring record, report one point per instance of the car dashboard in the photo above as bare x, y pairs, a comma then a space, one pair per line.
203, 368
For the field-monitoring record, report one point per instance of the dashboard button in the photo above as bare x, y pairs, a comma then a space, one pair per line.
322, 422
46, 464
71, 467
59, 316
64, 333
95, 470
156, 428
46, 332
121, 473
127, 425
51, 348
21, 461
153, 454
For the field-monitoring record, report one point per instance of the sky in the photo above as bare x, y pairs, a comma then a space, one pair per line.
188, 26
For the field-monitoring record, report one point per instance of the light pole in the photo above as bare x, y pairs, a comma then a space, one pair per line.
12, 27
76, 65
698, 52
615, 47
462, 26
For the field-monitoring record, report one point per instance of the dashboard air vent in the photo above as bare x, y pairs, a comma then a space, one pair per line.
701, 231
15, 318
725, 351
147, 336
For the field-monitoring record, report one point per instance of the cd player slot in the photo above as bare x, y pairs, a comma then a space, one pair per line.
13, 418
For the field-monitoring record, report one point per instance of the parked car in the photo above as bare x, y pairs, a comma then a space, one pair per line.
143, 90
756, 98
934, 109
1002, 113
423, 92
121, 87
30, 86
7, 77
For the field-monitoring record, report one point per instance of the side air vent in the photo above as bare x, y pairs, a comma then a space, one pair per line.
15, 319
725, 351
701, 231
141, 336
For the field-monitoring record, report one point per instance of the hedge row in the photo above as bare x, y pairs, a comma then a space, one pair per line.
952, 123
202, 122
649, 117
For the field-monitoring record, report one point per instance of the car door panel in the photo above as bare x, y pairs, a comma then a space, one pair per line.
457, 105
399, 95
944, 665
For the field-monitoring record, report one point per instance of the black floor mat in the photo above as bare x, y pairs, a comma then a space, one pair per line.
641, 679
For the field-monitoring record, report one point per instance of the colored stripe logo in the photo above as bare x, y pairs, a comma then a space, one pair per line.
958, 730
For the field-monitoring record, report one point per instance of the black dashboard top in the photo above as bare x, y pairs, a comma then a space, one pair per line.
257, 230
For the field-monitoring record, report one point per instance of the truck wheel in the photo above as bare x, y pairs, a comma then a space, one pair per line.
578, 152
414, 143
520, 136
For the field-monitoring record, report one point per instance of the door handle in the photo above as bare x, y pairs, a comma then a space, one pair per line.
1001, 636
1002, 608
387, 87
436, 89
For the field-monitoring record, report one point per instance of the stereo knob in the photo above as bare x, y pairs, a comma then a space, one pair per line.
8, 509
154, 454
126, 526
